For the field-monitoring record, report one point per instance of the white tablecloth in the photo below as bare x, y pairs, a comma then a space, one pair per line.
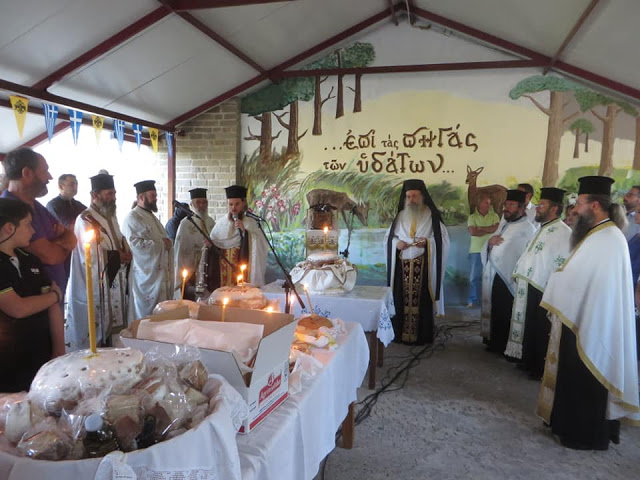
370, 306
293, 440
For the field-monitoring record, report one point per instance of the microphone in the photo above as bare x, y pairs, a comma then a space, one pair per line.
255, 216
183, 207
235, 219
90, 219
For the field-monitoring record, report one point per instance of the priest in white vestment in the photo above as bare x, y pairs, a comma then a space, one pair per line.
192, 236
545, 253
110, 262
151, 276
590, 380
240, 242
499, 255
417, 247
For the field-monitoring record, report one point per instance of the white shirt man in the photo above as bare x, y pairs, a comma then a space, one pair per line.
151, 276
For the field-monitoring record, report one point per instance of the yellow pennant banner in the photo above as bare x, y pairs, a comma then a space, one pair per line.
153, 134
20, 106
98, 123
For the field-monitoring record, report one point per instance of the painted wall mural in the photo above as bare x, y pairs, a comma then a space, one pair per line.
356, 138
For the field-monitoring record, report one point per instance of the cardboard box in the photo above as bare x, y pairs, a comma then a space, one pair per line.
263, 389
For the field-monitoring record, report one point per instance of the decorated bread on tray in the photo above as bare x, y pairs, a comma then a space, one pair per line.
241, 296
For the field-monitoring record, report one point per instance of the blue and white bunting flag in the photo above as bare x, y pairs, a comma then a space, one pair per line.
169, 137
75, 118
118, 128
50, 115
137, 131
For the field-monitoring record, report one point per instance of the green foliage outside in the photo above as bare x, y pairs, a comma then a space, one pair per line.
624, 180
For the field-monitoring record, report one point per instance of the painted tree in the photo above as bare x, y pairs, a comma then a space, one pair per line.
588, 101
263, 102
636, 148
579, 127
358, 55
557, 88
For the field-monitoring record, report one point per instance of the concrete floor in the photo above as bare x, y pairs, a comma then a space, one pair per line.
465, 413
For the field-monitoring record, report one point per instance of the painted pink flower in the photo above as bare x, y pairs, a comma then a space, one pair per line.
259, 204
264, 193
296, 208
274, 189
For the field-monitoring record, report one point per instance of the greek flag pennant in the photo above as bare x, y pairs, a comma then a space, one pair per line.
75, 119
153, 135
118, 128
137, 131
169, 137
50, 116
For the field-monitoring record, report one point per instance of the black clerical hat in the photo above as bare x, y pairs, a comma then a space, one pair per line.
413, 184
236, 191
145, 186
595, 185
198, 193
552, 194
101, 181
516, 196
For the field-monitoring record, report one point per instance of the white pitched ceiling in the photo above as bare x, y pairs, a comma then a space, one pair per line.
145, 60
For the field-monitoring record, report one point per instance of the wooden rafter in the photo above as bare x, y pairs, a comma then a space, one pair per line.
570, 35
393, 12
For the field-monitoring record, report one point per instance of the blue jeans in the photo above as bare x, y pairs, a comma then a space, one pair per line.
475, 277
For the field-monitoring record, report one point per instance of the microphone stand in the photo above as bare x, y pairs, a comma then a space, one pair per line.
288, 283
213, 247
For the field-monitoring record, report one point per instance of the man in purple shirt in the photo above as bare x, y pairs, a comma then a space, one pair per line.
27, 174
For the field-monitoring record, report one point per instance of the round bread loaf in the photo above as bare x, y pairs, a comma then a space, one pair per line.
314, 322
241, 296
64, 381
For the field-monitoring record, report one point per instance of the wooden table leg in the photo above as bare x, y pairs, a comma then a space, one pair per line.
373, 359
348, 428
380, 353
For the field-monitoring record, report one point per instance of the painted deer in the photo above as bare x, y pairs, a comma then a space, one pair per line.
340, 201
497, 193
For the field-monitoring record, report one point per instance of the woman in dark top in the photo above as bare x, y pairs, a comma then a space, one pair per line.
31, 323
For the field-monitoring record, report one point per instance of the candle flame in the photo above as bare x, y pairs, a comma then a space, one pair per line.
88, 235
225, 300
185, 273
243, 268
240, 279
270, 309
306, 287
326, 230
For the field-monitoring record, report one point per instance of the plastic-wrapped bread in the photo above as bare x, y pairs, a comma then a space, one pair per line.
18, 421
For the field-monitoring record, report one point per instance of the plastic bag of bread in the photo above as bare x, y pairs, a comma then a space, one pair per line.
169, 305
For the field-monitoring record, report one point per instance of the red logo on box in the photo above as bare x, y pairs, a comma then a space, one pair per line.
272, 385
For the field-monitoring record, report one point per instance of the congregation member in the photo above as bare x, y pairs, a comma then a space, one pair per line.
631, 202
172, 225
570, 216
500, 255
189, 241
417, 245
65, 207
151, 276
109, 253
240, 242
530, 209
545, 253
28, 175
481, 224
591, 374
31, 325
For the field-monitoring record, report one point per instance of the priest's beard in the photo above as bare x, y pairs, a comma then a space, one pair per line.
414, 212
582, 226
153, 206
106, 209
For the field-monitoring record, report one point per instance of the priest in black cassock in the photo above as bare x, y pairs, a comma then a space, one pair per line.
417, 247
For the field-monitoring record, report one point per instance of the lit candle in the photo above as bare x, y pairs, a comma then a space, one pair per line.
91, 313
326, 231
243, 267
240, 280
224, 307
185, 273
306, 290
270, 309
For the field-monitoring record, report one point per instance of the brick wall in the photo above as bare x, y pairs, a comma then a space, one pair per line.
208, 154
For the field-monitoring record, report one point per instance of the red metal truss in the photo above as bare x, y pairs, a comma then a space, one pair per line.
284, 65
205, 4
110, 43
526, 52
